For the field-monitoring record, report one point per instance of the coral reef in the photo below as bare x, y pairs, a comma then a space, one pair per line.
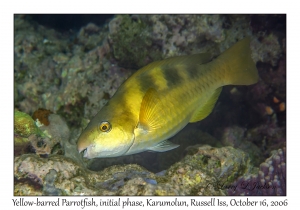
270, 180
75, 73
131, 42
58, 74
268, 50
234, 136
59, 175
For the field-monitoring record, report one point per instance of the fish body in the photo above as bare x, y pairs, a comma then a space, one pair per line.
160, 99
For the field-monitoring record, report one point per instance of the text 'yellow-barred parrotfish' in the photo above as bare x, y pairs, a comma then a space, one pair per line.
160, 99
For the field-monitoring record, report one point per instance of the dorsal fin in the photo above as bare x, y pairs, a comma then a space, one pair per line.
205, 110
200, 58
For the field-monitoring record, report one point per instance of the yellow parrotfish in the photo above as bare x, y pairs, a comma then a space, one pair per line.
161, 98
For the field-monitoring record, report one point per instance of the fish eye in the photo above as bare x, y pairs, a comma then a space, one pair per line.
105, 126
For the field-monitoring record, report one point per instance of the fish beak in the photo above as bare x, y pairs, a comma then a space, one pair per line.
83, 144
85, 153
83, 149
80, 148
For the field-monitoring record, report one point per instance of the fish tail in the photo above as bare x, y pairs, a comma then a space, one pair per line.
237, 64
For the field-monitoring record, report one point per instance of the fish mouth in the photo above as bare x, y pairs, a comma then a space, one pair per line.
84, 152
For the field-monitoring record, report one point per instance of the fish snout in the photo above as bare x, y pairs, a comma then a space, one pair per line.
82, 144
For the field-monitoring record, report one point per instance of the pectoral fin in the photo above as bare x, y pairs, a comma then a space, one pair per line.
150, 111
163, 146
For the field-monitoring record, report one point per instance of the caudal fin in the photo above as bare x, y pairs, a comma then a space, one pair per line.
238, 65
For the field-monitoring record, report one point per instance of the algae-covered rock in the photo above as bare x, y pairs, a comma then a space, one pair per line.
234, 136
24, 125
24, 128
70, 178
34, 136
196, 174
203, 168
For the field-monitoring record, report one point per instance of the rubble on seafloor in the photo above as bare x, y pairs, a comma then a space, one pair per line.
68, 77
